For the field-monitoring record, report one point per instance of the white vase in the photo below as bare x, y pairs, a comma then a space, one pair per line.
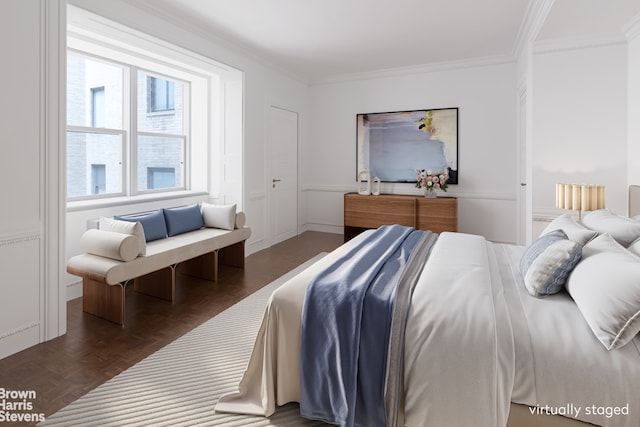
430, 194
375, 186
364, 183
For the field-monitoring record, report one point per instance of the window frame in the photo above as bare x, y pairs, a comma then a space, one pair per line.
130, 133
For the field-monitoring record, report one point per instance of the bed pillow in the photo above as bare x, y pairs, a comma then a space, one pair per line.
573, 230
153, 224
624, 230
219, 216
547, 262
634, 247
126, 227
183, 220
109, 244
606, 288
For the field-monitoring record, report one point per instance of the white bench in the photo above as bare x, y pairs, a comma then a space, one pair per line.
198, 253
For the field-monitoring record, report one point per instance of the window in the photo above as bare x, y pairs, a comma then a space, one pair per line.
168, 123
126, 130
161, 94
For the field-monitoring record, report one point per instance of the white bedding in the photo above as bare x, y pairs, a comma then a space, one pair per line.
559, 361
475, 341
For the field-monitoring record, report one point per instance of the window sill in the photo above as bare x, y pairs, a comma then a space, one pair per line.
85, 205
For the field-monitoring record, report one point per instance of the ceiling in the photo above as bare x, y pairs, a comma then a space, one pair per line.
325, 39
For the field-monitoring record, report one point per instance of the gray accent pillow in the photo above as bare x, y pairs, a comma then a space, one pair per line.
547, 262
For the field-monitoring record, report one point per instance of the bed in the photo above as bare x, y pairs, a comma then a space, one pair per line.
478, 348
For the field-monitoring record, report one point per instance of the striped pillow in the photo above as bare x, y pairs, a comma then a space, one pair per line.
546, 264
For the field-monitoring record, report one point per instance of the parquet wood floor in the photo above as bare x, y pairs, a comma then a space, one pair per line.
94, 350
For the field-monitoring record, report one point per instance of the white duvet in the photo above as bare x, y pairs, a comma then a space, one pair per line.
474, 342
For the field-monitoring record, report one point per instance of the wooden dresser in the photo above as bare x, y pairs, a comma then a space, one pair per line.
365, 212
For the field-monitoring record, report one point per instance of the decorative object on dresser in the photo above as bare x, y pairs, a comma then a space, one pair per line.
362, 213
364, 182
580, 197
431, 182
392, 145
375, 186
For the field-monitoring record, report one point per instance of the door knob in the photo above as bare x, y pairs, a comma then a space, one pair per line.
273, 182
523, 184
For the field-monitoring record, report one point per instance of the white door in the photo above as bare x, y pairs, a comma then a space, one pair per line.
283, 178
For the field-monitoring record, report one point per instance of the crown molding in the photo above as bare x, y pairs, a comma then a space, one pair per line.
417, 69
631, 29
534, 18
559, 45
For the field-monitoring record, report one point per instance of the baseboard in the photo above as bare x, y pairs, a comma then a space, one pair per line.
324, 228
74, 291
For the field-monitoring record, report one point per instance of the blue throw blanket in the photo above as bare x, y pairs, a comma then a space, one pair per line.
346, 319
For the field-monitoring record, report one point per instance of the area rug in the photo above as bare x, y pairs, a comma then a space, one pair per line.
180, 384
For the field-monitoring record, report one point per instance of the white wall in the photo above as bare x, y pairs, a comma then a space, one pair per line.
580, 124
32, 304
486, 98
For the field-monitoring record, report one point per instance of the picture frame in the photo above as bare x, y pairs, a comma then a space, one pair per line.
392, 146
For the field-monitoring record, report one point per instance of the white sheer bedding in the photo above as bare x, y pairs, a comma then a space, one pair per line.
475, 341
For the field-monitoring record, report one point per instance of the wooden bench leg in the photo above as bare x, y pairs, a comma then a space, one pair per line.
160, 284
102, 300
232, 255
204, 266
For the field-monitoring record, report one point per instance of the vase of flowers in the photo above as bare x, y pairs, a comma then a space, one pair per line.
431, 181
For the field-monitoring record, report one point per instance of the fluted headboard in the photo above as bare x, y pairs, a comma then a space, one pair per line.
634, 200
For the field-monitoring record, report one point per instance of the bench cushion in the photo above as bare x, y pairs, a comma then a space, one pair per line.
160, 254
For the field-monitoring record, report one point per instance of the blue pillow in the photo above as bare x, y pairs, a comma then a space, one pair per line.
182, 220
547, 263
153, 224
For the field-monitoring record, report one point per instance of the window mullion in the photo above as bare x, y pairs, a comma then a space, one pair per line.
133, 126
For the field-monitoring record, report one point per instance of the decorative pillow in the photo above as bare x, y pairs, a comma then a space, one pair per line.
119, 246
183, 220
572, 229
219, 216
126, 227
241, 220
606, 288
152, 223
624, 230
547, 262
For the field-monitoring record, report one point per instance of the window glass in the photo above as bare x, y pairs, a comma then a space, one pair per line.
94, 92
94, 163
160, 104
160, 162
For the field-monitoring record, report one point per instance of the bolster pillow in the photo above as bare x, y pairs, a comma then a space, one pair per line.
241, 219
109, 244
